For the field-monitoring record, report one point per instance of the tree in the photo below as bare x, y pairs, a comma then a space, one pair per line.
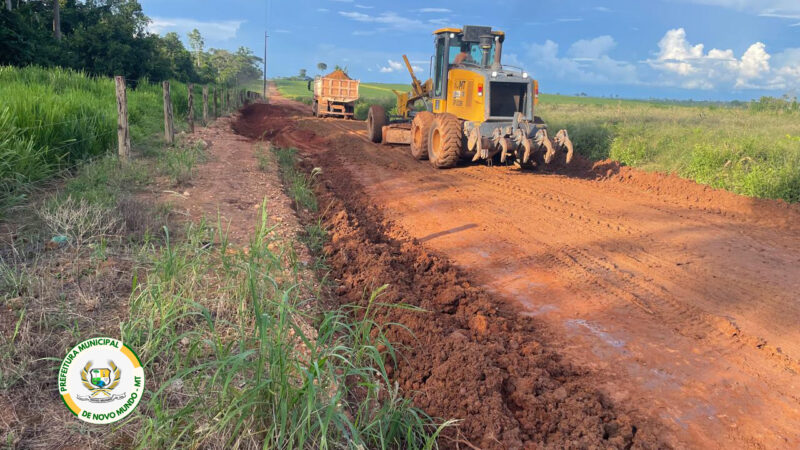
302, 73
196, 42
180, 61
338, 67
322, 66
57, 19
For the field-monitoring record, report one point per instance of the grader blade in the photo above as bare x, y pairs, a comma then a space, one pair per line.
543, 143
564, 144
527, 145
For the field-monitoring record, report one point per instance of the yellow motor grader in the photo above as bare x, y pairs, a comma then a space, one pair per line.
475, 107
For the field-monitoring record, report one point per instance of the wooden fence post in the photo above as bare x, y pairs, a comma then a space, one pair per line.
123, 133
190, 116
223, 102
169, 130
205, 105
216, 113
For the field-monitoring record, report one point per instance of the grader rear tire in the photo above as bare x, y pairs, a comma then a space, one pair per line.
445, 141
376, 119
420, 129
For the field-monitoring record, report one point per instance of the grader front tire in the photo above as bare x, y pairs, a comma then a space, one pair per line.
420, 129
376, 119
445, 140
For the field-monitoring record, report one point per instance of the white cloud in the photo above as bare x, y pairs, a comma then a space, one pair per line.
388, 18
213, 31
397, 66
279, 30
363, 6
592, 48
601, 9
434, 10
587, 61
683, 64
323, 9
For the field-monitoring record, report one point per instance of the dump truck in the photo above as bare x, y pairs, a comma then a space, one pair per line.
335, 95
475, 108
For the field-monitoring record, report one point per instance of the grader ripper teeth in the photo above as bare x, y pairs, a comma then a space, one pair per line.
475, 108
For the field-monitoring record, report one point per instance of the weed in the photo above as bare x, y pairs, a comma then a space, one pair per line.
298, 184
264, 158
179, 164
79, 221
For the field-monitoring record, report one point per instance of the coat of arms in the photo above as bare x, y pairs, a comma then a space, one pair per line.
100, 382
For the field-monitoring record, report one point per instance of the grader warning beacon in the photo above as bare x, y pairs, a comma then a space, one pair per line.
476, 107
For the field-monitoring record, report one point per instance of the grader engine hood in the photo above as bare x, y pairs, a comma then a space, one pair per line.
487, 96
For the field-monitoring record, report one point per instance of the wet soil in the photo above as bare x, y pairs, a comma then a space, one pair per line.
662, 304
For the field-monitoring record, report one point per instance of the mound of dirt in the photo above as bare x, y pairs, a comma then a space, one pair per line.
338, 74
467, 356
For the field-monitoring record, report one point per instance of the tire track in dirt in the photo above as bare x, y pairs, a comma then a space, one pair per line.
687, 309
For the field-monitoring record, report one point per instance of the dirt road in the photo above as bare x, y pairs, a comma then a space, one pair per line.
683, 301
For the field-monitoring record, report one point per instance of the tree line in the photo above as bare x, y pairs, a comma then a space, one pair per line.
110, 37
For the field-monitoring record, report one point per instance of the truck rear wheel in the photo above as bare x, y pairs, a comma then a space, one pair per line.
376, 119
445, 141
420, 129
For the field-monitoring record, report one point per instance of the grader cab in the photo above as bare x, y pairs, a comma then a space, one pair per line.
475, 107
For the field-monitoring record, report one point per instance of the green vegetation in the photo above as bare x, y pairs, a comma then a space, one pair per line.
54, 119
753, 150
110, 37
298, 184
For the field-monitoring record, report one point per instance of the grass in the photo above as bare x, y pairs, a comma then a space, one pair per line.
751, 149
54, 119
250, 361
298, 184
743, 150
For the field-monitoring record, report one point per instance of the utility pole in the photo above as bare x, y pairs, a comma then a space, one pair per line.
56, 19
266, 36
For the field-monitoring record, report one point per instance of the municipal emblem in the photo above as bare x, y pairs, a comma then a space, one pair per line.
101, 380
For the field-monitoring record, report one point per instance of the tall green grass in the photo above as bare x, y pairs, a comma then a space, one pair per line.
240, 354
52, 119
745, 150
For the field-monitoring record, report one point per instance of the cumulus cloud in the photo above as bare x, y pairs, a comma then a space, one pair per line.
213, 31
397, 66
682, 64
586, 60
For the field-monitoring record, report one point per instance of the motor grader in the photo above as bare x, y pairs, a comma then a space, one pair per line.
475, 107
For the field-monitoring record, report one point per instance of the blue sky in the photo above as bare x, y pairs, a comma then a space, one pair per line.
700, 49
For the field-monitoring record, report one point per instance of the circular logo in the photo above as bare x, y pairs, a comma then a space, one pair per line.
101, 380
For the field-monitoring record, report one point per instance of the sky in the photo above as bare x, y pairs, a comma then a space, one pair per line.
679, 49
